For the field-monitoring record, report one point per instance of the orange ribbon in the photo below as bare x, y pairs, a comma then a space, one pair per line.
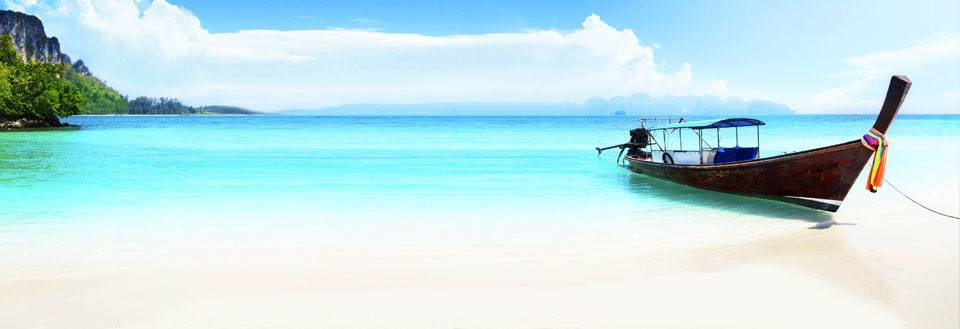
877, 142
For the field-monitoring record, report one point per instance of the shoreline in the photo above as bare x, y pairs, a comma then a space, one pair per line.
33, 124
792, 276
283, 114
64, 128
166, 115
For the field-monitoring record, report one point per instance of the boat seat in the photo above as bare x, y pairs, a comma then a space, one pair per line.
735, 154
747, 153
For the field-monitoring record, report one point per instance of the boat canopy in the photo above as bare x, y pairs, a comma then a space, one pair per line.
709, 124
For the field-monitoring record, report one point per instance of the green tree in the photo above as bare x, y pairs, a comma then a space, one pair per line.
35, 90
147, 105
99, 98
8, 52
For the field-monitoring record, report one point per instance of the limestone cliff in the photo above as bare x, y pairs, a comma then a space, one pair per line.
32, 41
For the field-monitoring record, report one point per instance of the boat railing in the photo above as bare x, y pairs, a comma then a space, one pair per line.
710, 150
657, 121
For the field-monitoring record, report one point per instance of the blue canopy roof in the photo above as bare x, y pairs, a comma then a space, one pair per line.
708, 124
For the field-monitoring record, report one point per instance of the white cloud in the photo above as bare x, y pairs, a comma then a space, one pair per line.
19, 5
872, 70
162, 27
943, 47
717, 87
161, 49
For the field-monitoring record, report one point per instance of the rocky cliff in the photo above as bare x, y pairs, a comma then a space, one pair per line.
32, 42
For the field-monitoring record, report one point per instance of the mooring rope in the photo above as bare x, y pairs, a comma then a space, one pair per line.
918, 203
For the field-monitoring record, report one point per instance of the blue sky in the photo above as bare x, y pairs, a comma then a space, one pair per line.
816, 56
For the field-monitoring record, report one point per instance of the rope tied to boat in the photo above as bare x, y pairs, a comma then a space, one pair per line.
877, 142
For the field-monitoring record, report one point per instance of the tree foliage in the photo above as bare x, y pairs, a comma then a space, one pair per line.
99, 98
34, 90
223, 109
162, 105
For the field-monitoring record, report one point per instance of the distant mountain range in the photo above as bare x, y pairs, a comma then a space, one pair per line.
636, 104
447, 109
643, 104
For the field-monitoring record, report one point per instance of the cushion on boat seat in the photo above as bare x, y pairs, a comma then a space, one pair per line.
734, 154
747, 153
725, 154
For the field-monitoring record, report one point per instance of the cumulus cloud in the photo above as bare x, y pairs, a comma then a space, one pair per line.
163, 27
159, 48
873, 70
717, 87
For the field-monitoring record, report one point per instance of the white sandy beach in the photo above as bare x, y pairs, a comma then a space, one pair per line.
479, 164
878, 269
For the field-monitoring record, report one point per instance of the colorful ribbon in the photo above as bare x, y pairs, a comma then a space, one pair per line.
877, 142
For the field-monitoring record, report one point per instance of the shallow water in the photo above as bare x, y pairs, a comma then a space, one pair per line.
139, 178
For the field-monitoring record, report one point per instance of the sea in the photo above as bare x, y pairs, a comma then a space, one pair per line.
133, 188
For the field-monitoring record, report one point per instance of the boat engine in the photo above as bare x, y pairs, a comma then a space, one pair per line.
639, 138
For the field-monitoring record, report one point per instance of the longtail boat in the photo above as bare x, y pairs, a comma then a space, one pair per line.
819, 178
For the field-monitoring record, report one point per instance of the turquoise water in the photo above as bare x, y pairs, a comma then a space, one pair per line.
136, 189
188, 165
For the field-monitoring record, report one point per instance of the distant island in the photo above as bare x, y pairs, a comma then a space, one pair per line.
173, 106
447, 109
706, 105
39, 84
636, 104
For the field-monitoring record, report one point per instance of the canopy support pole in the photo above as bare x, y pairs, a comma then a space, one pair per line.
758, 141
700, 140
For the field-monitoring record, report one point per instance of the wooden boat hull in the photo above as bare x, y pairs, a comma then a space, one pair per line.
819, 178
